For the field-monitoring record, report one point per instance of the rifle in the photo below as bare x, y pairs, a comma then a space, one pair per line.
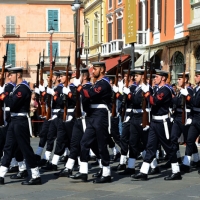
78, 113
43, 113
124, 100
2, 84
48, 116
114, 113
170, 70
37, 85
183, 100
65, 85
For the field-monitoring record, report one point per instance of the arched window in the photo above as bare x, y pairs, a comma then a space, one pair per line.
177, 65
197, 56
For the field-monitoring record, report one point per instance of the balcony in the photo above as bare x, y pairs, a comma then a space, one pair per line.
85, 51
105, 49
60, 60
10, 31
116, 46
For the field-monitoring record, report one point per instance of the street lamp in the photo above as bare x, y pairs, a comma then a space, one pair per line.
51, 31
75, 7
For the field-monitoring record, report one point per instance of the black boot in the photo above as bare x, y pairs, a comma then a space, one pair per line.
33, 181
63, 159
103, 179
166, 165
119, 167
42, 162
154, 171
115, 157
175, 176
81, 176
13, 169
98, 174
64, 173
76, 168
50, 167
185, 168
179, 160
1, 181
127, 171
20, 175
37, 158
140, 176
195, 164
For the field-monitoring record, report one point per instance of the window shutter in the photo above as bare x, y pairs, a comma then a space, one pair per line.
151, 15
54, 47
11, 57
159, 14
146, 14
178, 11
95, 31
140, 24
10, 24
86, 34
119, 28
110, 3
109, 32
53, 19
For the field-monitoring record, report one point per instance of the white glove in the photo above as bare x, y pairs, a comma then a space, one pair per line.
126, 90
41, 88
50, 91
171, 119
145, 88
115, 89
146, 128
1, 89
66, 90
37, 91
184, 92
188, 122
77, 82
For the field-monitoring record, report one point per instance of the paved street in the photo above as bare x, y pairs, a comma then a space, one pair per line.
122, 188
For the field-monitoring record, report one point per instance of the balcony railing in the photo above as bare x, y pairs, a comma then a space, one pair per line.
105, 49
85, 52
23, 64
10, 31
116, 46
61, 60
141, 37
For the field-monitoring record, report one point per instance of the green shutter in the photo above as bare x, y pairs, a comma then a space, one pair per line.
11, 57
55, 46
53, 19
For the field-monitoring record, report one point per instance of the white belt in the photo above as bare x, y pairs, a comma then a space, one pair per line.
6, 108
160, 117
180, 110
196, 109
98, 106
137, 110
70, 110
128, 110
57, 110
106, 107
18, 114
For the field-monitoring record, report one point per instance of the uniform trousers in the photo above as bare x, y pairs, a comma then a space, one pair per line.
193, 133
157, 134
137, 136
77, 134
18, 135
3, 131
43, 133
97, 129
115, 130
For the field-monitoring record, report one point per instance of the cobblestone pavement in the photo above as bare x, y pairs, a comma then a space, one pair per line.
122, 188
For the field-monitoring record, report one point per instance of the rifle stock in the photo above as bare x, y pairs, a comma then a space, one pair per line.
48, 116
2, 84
65, 85
43, 111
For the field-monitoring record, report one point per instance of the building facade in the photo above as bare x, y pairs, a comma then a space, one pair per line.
26, 24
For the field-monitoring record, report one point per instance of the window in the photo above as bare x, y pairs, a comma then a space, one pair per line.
109, 32
178, 11
140, 25
110, 3
55, 45
119, 28
197, 56
86, 35
95, 31
11, 56
119, 1
152, 15
53, 19
159, 14
10, 25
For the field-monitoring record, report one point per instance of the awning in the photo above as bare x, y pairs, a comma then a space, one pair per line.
145, 56
113, 62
